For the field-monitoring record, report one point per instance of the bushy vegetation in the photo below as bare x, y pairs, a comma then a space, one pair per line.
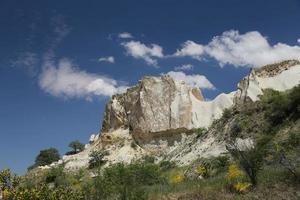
97, 158
46, 157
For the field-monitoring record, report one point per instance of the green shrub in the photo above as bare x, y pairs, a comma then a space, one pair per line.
166, 165
226, 114
148, 159
200, 132
287, 154
250, 159
97, 158
126, 182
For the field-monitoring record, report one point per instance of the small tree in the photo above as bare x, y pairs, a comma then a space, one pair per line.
47, 156
76, 146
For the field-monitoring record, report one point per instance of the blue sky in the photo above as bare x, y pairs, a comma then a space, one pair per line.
61, 60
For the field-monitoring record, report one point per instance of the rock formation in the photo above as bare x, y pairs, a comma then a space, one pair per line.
160, 115
158, 104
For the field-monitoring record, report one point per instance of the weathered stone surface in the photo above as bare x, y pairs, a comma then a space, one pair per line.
155, 104
279, 76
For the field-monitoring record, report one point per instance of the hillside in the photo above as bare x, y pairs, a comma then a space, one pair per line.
161, 140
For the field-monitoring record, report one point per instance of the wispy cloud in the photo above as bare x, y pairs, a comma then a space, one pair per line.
28, 61
184, 67
250, 49
125, 35
148, 53
194, 80
109, 59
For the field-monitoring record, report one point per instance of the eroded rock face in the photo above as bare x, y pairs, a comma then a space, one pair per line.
155, 104
157, 117
279, 76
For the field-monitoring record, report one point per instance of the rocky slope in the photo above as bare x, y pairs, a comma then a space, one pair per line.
159, 117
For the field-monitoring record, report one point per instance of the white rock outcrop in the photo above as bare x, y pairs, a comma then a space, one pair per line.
161, 103
158, 115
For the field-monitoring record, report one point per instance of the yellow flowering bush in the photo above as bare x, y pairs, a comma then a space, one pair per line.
176, 178
242, 187
201, 170
235, 177
234, 172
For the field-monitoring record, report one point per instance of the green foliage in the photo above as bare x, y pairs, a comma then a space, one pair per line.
200, 132
9, 180
210, 167
126, 182
226, 114
281, 106
46, 157
250, 159
57, 176
76, 147
287, 154
148, 159
166, 165
97, 158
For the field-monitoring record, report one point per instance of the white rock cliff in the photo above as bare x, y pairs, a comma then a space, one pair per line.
159, 115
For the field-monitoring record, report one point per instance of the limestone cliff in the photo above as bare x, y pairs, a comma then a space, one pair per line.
159, 116
158, 104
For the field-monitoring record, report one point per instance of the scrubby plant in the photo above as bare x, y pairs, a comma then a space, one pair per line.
242, 187
200, 132
97, 158
126, 182
250, 159
235, 178
148, 159
176, 178
234, 172
287, 153
210, 167
226, 114
202, 170
56, 175
166, 165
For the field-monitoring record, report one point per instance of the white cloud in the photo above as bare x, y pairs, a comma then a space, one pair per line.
109, 59
125, 35
67, 81
190, 48
250, 49
298, 40
139, 50
184, 67
194, 80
